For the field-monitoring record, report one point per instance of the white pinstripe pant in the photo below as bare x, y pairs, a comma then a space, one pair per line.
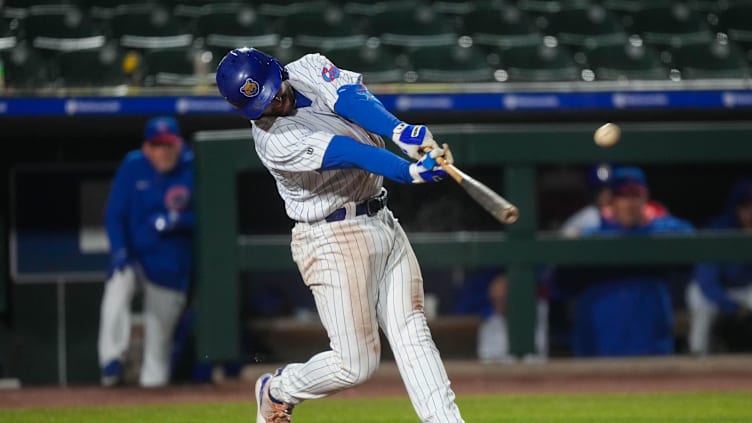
364, 275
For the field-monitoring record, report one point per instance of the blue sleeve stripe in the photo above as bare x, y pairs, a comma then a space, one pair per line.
357, 104
346, 153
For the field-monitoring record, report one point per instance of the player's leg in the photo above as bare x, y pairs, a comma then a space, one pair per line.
115, 323
400, 310
541, 328
702, 315
162, 309
742, 295
339, 263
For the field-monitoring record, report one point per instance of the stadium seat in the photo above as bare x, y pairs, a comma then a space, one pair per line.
708, 6
86, 68
551, 6
173, 66
25, 69
668, 26
545, 62
591, 26
146, 26
279, 8
364, 8
736, 21
105, 9
631, 6
630, 61
414, 28
500, 28
326, 29
716, 59
463, 7
230, 26
194, 8
287, 52
61, 28
20, 8
453, 64
8, 33
376, 64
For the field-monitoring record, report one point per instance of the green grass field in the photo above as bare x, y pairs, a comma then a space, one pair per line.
576, 408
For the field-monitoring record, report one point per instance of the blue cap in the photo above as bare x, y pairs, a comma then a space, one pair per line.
628, 180
162, 129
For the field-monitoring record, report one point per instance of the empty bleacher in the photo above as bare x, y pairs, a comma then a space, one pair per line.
85, 43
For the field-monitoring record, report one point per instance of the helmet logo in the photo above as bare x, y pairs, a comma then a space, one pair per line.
250, 88
330, 74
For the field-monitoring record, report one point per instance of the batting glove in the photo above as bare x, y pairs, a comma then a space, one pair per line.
412, 139
427, 169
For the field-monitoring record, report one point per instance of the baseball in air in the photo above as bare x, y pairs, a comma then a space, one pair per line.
607, 135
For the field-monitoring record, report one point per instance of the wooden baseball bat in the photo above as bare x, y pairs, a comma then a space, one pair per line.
501, 209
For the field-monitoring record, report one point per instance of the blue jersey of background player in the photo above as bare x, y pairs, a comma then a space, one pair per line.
622, 312
149, 222
150, 214
721, 288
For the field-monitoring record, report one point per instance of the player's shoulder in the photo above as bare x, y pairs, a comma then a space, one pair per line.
134, 159
186, 156
669, 223
312, 62
310, 58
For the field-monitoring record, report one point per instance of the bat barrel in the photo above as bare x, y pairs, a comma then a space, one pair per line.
509, 215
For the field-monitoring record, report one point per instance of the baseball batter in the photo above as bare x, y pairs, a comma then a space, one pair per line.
316, 129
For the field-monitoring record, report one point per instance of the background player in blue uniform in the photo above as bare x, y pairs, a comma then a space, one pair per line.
721, 288
622, 312
149, 222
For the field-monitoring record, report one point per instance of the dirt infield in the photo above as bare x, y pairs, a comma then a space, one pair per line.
731, 373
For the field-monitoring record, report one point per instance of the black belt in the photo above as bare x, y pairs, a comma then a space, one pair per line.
369, 207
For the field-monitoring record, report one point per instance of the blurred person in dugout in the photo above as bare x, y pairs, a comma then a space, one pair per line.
624, 311
485, 294
149, 221
589, 217
721, 288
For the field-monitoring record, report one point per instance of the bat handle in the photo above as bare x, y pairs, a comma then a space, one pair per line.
452, 171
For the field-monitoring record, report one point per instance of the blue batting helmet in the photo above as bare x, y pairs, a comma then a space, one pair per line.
249, 79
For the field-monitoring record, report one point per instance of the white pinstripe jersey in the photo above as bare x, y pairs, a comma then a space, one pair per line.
292, 147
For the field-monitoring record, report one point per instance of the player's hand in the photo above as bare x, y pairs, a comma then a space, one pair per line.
427, 169
163, 222
412, 139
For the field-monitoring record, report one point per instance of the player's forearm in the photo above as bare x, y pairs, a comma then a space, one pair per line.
344, 153
706, 275
357, 104
115, 233
115, 223
184, 221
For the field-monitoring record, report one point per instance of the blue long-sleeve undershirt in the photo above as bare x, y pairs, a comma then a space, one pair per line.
357, 104
346, 153
708, 277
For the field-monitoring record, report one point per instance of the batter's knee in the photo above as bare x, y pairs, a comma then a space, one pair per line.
355, 371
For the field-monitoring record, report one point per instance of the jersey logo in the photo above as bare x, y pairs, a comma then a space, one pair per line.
330, 74
250, 88
177, 197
